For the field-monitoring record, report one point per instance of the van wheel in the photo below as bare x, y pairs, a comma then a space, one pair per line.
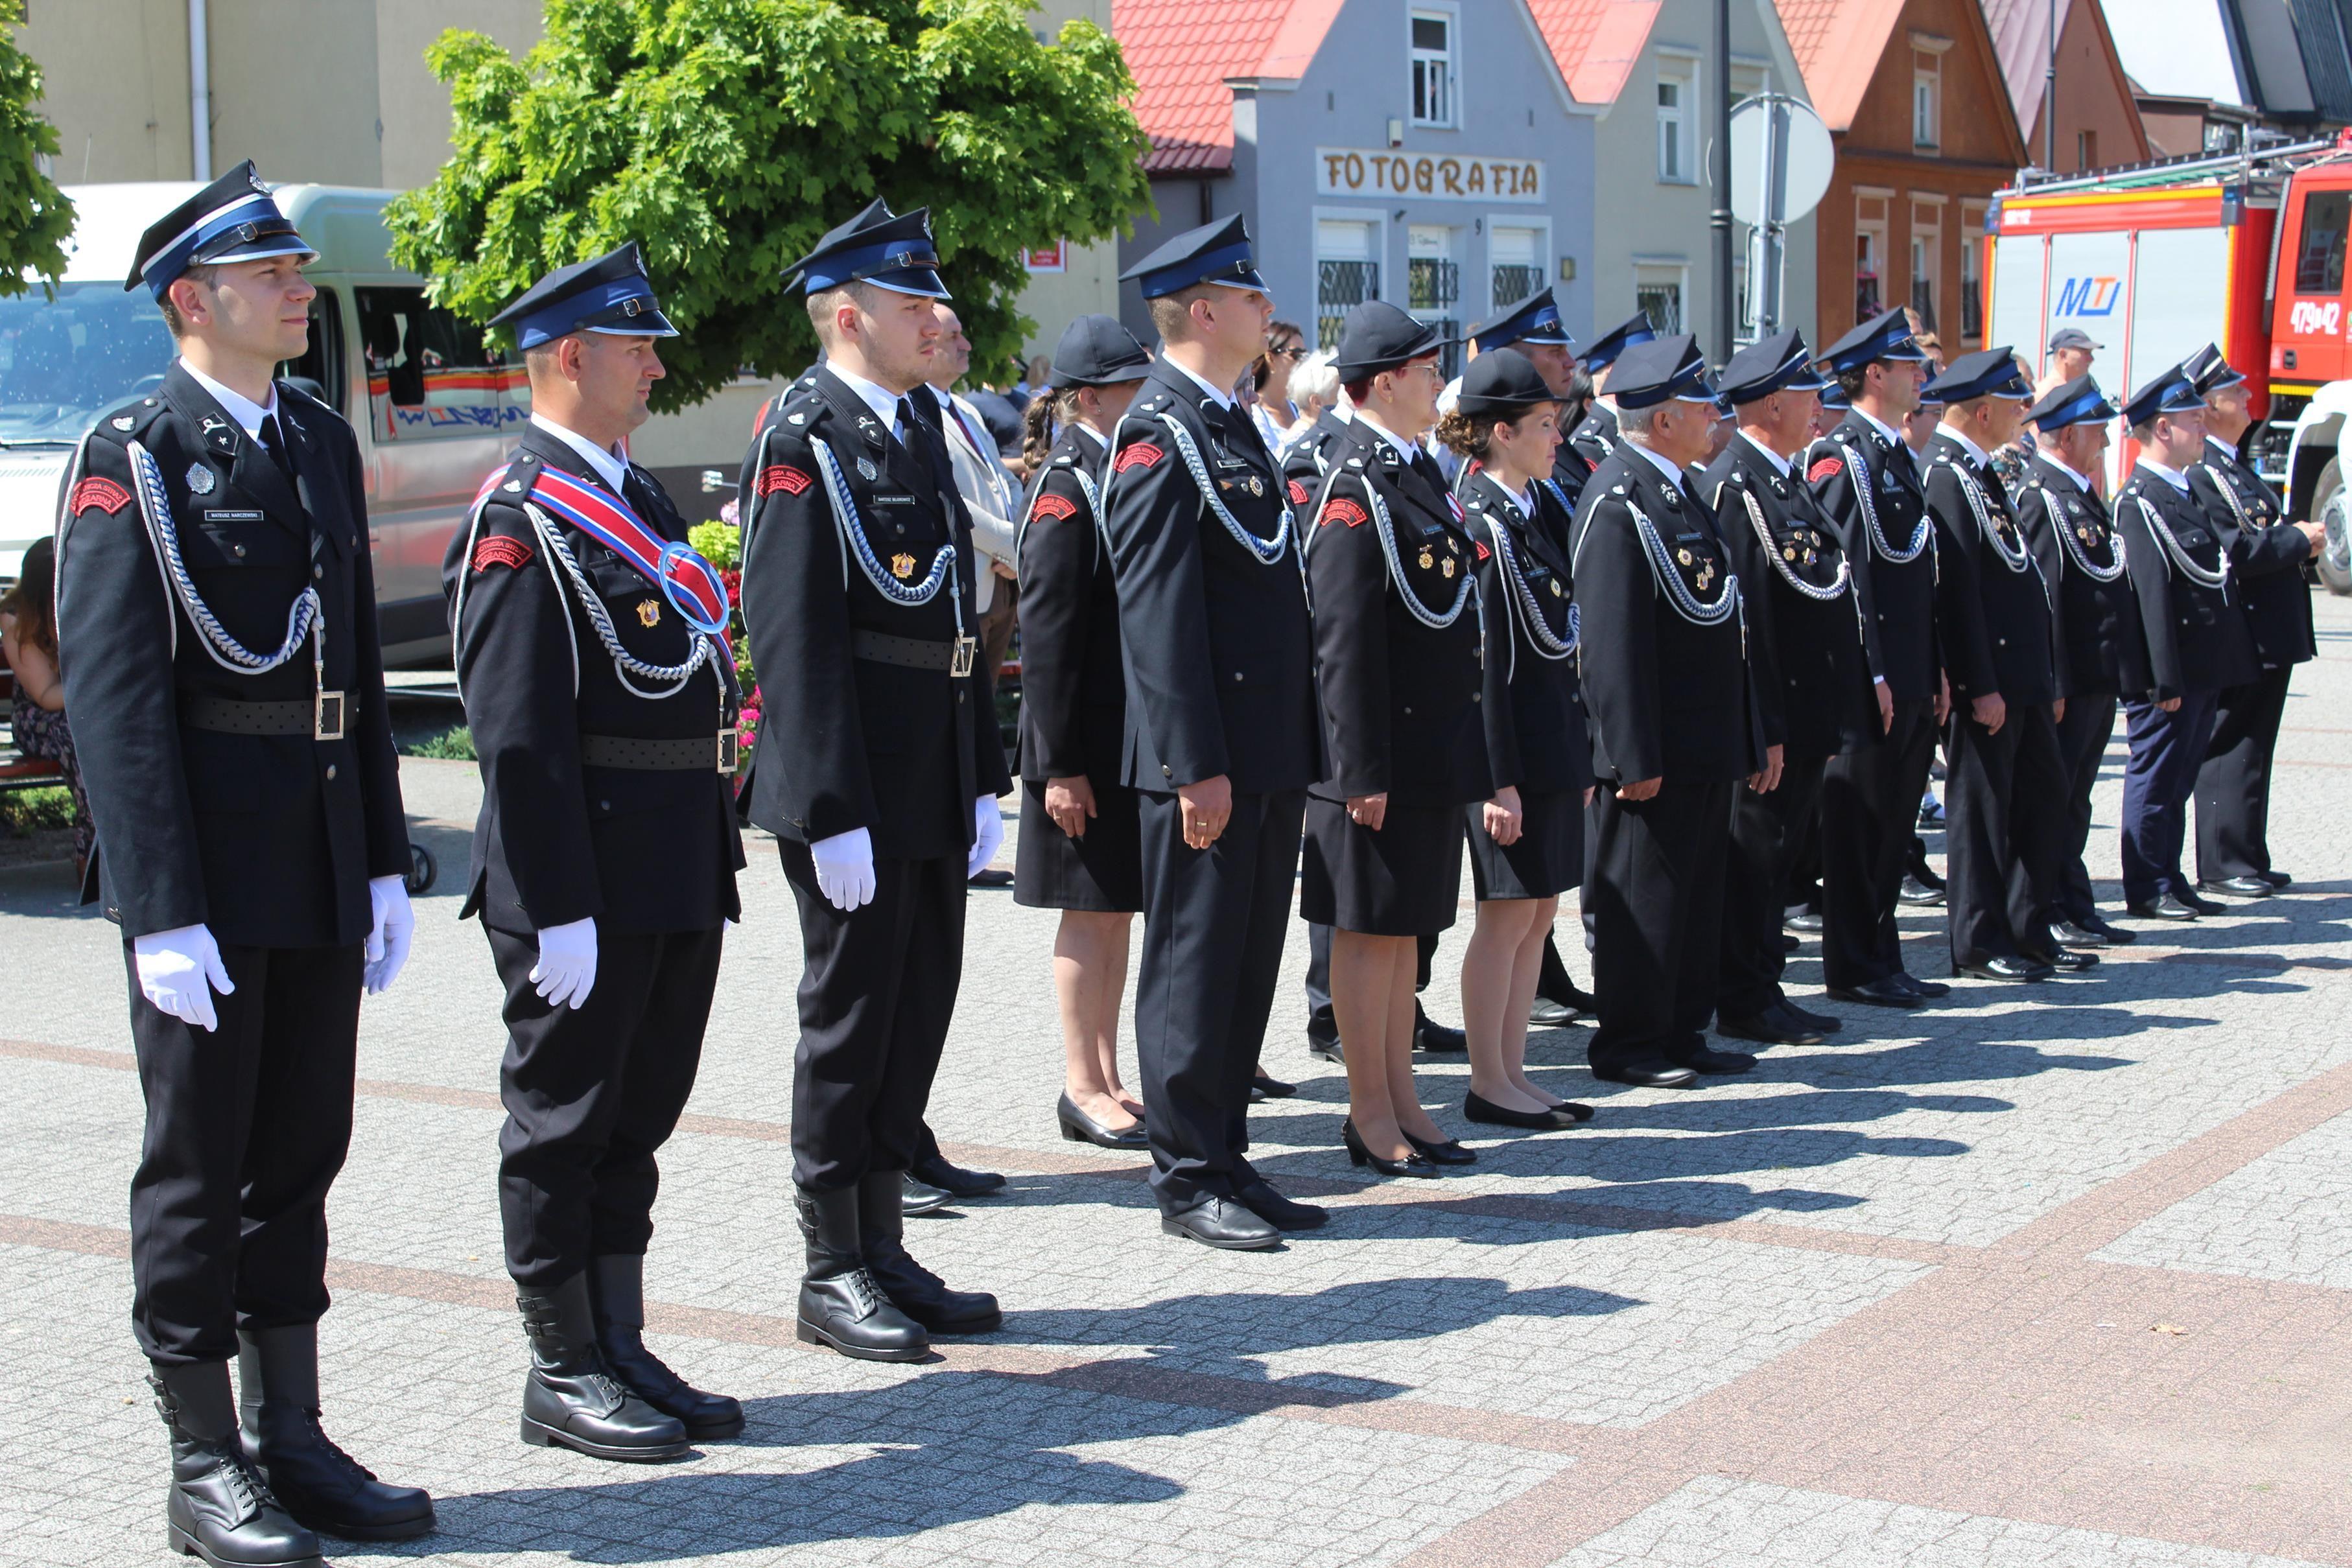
2331, 505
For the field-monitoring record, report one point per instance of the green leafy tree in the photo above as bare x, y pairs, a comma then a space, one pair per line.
726, 135
36, 218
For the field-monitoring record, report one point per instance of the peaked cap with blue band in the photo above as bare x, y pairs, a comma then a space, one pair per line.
1216, 252
2209, 372
1534, 321
1663, 370
234, 218
1834, 397
1778, 363
2078, 402
610, 294
1988, 373
1885, 336
1502, 384
892, 251
1096, 352
1610, 346
2170, 392
1377, 336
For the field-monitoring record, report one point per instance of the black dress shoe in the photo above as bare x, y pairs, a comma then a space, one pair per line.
913, 1289
2276, 878
1649, 1075
1804, 920
1879, 994
1544, 1013
2200, 905
1223, 1223
1077, 1127
571, 1398
2005, 966
2067, 960
1260, 1199
1820, 1023
1918, 894
2240, 887
989, 877
1443, 1151
842, 1305
1415, 1164
1766, 1029
1325, 1046
1706, 1059
322, 1487
220, 1509
2116, 936
1552, 1119
1931, 990
918, 1196
2164, 906
2066, 934
1569, 994
1272, 1088
933, 1170
1438, 1038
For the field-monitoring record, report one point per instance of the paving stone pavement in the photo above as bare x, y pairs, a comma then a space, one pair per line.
2046, 1276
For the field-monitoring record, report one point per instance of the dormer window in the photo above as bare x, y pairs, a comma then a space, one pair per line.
1432, 64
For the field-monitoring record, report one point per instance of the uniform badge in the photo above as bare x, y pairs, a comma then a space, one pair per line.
780, 477
1343, 510
1139, 454
1297, 494
2084, 533
1051, 506
1445, 569
514, 486
1827, 468
99, 492
122, 421
1554, 587
649, 612
500, 550
1810, 558
1257, 486
795, 419
1428, 558
1788, 553
1685, 556
200, 480
902, 566
866, 471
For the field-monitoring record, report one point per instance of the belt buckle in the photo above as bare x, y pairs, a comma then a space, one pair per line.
728, 743
327, 715
960, 662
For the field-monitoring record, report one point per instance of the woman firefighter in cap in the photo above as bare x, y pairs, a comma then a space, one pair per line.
1397, 640
1080, 848
1527, 843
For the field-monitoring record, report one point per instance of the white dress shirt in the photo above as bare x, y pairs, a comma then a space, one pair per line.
248, 413
1663, 465
611, 469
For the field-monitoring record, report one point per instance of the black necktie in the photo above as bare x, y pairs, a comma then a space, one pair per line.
274, 444
923, 447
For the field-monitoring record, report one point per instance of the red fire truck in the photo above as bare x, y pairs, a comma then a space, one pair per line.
2156, 261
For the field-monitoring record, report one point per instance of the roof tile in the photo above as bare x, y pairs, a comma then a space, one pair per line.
1180, 53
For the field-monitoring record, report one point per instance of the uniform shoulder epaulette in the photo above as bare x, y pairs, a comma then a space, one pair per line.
1155, 403
307, 402
123, 423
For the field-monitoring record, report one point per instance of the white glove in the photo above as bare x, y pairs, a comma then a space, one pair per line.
179, 970
566, 970
987, 835
388, 939
845, 868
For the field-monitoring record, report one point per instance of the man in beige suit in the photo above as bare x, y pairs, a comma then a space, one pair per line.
990, 493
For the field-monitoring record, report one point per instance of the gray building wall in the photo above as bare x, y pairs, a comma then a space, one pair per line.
1510, 107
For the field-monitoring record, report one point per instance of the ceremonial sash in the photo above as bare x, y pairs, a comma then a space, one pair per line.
691, 584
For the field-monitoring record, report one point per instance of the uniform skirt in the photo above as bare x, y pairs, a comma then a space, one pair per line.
1549, 858
1403, 881
1103, 871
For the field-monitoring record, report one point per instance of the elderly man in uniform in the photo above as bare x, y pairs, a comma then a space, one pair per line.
1676, 724
2266, 557
1221, 729
1866, 481
217, 637
591, 649
881, 782
2199, 646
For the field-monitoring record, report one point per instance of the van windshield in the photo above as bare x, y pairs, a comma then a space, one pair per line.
64, 362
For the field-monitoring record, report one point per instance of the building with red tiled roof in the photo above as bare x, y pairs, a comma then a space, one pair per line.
2099, 123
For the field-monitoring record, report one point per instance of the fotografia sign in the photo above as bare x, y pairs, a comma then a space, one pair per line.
1431, 176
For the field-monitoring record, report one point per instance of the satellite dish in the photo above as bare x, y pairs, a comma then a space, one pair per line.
1777, 130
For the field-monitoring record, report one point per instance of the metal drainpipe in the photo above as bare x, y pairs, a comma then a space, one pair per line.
200, 92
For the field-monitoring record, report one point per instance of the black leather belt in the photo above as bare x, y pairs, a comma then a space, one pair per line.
321, 718
915, 653
694, 754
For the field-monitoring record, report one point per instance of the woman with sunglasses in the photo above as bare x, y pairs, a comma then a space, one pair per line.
1272, 412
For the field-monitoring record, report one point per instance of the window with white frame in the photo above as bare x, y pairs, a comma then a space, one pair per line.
1927, 260
1677, 106
1514, 263
1869, 256
1658, 294
1346, 273
1432, 284
1972, 226
1433, 66
1926, 100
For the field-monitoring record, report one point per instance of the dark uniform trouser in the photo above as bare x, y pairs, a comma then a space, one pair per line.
1320, 1024
2167, 750
1765, 832
1213, 924
2005, 822
593, 1092
2234, 786
1870, 804
878, 991
2082, 738
247, 1128
1657, 913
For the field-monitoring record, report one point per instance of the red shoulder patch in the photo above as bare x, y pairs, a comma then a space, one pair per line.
500, 550
1482, 551
779, 476
1827, 468
1051, 506
1342, 510
1297, 494
98, 491
1143, 454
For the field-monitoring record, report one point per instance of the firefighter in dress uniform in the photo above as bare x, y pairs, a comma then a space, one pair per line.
590, 650
881, 778
1221, 737
216, 633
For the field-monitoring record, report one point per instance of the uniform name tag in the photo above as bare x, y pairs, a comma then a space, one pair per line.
211, 516
891, 500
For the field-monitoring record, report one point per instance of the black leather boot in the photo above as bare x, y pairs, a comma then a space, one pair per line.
317, 1482
841, 1303
617, 1285
571, 1399
221, 1511
913, 1289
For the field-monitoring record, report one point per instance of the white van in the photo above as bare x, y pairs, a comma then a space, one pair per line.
435, 407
